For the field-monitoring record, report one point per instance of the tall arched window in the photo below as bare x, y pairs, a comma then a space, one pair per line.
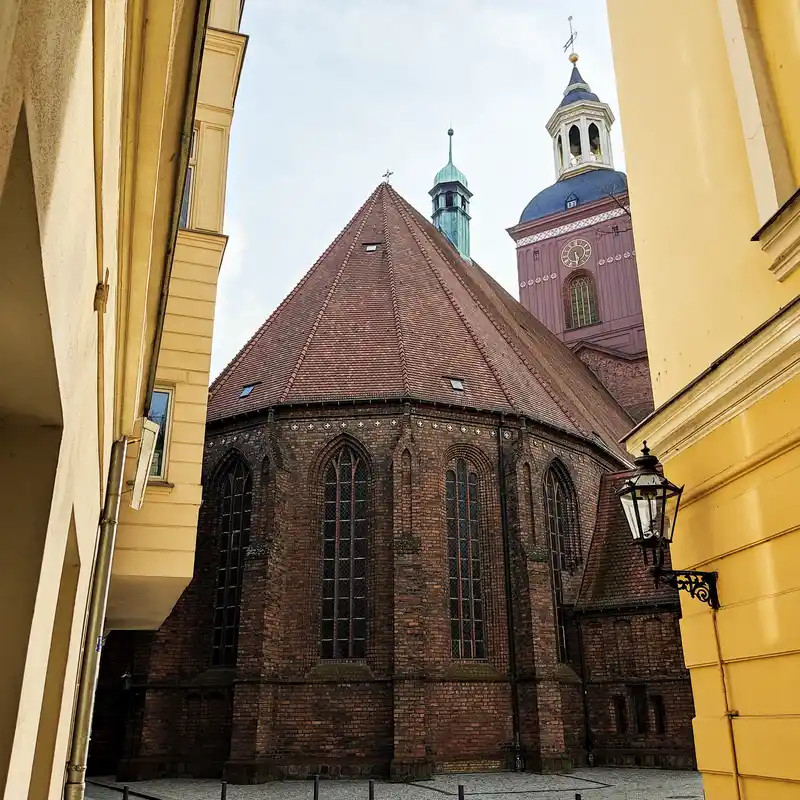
448, 199
581, 302
236, 494
344, 557
560, 148
594, 141
574, 137
561, 510
464, 562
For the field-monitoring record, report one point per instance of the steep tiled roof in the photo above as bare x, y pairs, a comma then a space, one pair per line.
399, 320
615, 573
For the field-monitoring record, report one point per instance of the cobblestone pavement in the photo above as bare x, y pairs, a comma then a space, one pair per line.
590, 784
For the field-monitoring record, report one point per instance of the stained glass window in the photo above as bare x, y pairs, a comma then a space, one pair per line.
344, 557
236, 492
464, 561
582, 302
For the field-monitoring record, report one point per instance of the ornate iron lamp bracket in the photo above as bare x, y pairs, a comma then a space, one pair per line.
701, 585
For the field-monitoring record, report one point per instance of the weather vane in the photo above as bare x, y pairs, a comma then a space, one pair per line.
386, 175
573, 35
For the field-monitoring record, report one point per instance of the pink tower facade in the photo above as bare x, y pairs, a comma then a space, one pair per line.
576, 257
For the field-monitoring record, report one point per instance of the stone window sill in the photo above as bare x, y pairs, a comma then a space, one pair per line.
157, 486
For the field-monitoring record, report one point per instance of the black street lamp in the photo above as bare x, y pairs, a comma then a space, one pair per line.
650, 503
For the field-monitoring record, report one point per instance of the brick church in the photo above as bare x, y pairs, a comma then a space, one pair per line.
410, 557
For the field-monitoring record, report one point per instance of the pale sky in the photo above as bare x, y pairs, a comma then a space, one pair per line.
335, 92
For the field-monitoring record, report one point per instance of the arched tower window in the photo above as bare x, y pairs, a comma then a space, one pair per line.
594, 140
581, 302
574, 143
464, 562
448, 199
435, 202
560, 148
344, 556
236, 494
561, 511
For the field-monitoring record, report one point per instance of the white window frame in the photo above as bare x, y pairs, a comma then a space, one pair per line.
188, 190
162, 475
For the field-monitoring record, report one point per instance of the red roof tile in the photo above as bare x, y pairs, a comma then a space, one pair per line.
399, 321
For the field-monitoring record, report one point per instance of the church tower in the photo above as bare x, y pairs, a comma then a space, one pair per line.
580, 128
576, 258
451, 203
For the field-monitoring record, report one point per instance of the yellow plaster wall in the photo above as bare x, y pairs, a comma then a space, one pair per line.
691, 188
46, 87
154, 558
779, 23
56, 454
704, 151
742, 518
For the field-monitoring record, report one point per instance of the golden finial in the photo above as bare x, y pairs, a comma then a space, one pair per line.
573, 57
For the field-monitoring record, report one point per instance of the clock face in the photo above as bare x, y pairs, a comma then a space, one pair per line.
576, 253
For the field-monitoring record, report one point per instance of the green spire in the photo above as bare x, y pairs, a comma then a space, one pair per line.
451, 198
449, 173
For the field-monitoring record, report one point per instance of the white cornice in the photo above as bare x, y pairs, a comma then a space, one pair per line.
780, 239
586, 222
750, 372
587, 108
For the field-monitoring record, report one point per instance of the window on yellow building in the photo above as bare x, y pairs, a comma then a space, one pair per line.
161, 412
186, 204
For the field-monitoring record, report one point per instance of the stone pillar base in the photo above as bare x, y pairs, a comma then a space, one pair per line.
405, 770
553, 762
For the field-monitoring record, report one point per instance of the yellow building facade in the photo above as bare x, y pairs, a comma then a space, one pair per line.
107, 293
711, 127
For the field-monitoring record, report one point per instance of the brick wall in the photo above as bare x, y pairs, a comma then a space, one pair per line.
408, 709
628, 380
635, 658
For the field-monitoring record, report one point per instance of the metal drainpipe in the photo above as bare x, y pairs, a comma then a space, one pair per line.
729, 714
75, 787
512, 649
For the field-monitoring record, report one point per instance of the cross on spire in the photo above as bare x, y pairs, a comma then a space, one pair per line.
386, 175
573, 35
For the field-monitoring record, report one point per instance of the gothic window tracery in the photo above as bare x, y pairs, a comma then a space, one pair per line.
561, 511
236, 495
343, 632
581, 302
462, 504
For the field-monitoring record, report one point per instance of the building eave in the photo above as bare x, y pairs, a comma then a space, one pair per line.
162, 71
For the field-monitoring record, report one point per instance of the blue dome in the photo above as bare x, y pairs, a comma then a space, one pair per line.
587, 187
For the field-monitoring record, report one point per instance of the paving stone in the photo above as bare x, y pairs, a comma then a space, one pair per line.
591, 784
